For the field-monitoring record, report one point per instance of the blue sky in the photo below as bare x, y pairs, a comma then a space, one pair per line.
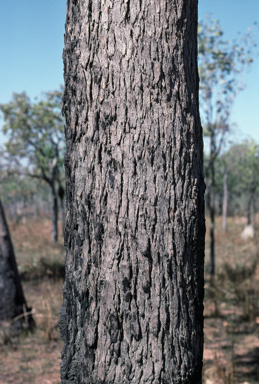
237, 16
31, 44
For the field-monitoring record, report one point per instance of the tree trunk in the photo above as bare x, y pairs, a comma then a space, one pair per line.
12, 300
254, 211
134, 228
248, 210
212, 203
61, 194
212, 239
225, 202
54, 213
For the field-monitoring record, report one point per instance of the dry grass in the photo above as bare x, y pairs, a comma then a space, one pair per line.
231, 353
35, 254
35, 357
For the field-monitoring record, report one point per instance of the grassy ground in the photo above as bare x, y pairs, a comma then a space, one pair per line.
231, 353
35, 357
231, 308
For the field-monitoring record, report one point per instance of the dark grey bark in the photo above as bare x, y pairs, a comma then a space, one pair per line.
12, 300
61, 194
134, 229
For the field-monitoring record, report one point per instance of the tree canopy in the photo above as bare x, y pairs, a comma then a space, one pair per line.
35, 142
35, 137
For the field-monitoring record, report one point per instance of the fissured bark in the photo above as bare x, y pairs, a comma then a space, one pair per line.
134, 227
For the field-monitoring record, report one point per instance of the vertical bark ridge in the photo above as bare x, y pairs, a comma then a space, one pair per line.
134, 230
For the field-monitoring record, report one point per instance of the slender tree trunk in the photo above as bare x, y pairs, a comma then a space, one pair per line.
212, 238
212, 205
62, 213
248, 210
54, 208
61, 193
212, 234
225, 201
54, 213
134, 229
254, 211
12, 300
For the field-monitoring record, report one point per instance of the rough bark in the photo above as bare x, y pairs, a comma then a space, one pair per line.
12, 300
134, 228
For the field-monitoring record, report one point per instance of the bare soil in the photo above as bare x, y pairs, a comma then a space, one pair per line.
35, 357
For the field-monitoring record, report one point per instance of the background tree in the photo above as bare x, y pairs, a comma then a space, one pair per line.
23, 197
248, 174
228, 160
35, 143
220, 66
236, 184
134, 229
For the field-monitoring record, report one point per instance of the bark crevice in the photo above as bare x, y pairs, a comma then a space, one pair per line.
137, 173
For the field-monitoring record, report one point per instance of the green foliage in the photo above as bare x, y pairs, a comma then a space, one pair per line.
35, 144
35, 134
241, 163
220, 66
15, 189
247, 169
